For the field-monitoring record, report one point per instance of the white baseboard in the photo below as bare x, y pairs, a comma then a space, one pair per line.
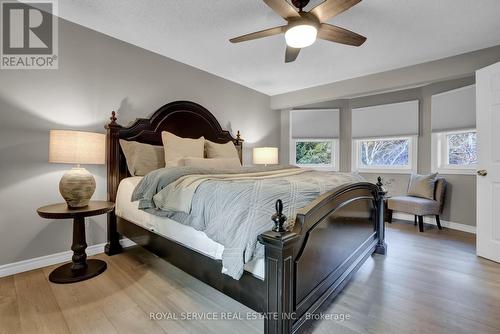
48, 260
432, 221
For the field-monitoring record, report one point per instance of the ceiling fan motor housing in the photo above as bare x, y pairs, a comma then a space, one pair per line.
300, 3
305, 18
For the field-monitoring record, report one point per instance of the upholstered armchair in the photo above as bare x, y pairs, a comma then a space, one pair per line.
420, 207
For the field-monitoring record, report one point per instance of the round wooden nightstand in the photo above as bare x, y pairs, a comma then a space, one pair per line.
80, 268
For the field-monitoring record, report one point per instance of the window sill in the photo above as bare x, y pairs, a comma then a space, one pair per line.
456, 171
383, 171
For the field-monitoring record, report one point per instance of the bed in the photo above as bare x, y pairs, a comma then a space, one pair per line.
301, 268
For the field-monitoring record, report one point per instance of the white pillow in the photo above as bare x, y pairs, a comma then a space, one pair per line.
214, 150
215, 163
177, 148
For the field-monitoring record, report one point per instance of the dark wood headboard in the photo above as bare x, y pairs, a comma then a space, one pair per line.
182, 118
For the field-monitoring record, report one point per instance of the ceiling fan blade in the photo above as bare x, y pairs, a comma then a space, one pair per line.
283, 8
291, 54
258, 34
340, 35
330, 8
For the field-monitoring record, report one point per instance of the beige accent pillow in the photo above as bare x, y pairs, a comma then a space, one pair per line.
215, 163
177, 148
422, 185
142, 158
214, 150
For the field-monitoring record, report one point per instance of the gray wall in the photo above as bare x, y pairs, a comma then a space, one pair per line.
97, 74
461, 196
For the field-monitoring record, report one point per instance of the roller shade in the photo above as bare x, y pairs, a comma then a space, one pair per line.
315, 123
397, 119
454, 110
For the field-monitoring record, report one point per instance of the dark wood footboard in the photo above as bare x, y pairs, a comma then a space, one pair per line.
330, 240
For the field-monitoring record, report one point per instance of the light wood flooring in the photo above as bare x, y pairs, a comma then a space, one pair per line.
429, 282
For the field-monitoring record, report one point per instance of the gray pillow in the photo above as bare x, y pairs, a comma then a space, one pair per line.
422, 185
142, 158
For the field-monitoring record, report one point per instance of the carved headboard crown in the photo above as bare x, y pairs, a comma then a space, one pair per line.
182, 118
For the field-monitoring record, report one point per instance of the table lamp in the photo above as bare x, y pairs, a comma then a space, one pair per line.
265, 156
76, 147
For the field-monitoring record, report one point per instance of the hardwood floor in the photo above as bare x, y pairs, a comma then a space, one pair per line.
429, 282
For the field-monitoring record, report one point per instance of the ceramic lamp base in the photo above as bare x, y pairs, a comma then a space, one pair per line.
77, 187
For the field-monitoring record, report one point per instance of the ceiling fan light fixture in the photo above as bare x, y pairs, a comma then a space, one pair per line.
301, 36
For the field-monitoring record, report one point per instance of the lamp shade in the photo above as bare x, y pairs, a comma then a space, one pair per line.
265, 156
77, 147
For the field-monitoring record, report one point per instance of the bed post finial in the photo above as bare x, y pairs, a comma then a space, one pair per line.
113, 118
380, 185
279, 218
238, 140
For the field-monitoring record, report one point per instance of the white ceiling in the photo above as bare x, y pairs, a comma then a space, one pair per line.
196, 32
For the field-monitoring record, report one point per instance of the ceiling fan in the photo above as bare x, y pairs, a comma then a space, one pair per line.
304, 27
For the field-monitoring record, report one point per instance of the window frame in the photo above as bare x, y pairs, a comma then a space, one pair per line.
357, 166
440, 153
333, 166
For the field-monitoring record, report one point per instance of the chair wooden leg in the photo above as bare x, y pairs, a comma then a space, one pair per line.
438, 222
421, 223
389, 216
415, 221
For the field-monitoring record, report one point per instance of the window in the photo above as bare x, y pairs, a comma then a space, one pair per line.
315, 153
314, 137
455, 152
396, 155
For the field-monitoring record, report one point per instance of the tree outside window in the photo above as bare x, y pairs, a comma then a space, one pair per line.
385, 152
313, 152
462, 148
